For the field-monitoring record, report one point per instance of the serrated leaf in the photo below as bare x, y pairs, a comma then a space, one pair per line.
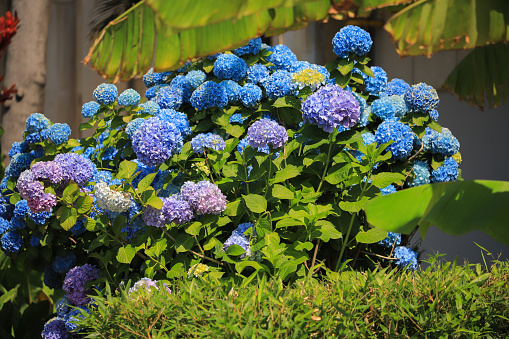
235, 250
183, 242
384, 179
345, 66
155, 202
146, 181
337, 173
371, 236
126, 254
67, 217
157, 249
90, 225
281, 192
239, 266
71, 193
327, 230
255, 203
194, 228
353, 206
290, 171
126, 169
233, 208
210, 244
84, 204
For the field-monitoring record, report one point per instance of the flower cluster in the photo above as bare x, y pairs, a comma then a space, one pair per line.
197, 270
265, 132
406, 257
401, 135
421, 98
111, 200
351, 39
204, 197
207, 140
75, 281
440, 143
105, 94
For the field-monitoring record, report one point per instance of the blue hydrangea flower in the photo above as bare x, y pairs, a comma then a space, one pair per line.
368, 138
257, 74
132, 126
209, 94
59, 133
265, 132
55, 329
75, 281
447, 172
90, 109
396, 87
51, 278
105, 94
434, 114
181, 82
129, 97
12, 241
351, 39
18, 147
152, 78
155, 141
36, 122
398, 132
62, 306
4, 225
250, 95
169, 97
78, 228
442, 143
39, 218
282, 57
389, 108
331, 107
151, 93
149, 107
196, 78
230, 67
21, 209
253, 47
422, 98
279, 84
238, 239
207, 140
18, 164
179, 119
393, 239
422, 173
242, 228
375, 85
237, 117
388, 190
62, 264
232, 90
406, 257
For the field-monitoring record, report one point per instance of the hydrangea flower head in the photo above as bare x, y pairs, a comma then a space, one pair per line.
351, 39
155, 141
282, 57
151, 93
105, 94
229, 66
177, 210
396, 87
331, 107
146, 284
393, 239
181, 82
389, 108
401, 135
48, 170
152, 78
377, 84
257, 74
253, 47
90, 109
55, 329
308, 78
179, 119
447, 172
75, 281
59, 133
422, 173
196, 78
12, 241
240, 240
237, 117
129, 97
149, 107
250, 95
265, 132
154, 217
406, 257
169, 97
62, 264
442, 143
111, 200
232, 90
422, 98
75, 167
209, 94
207, 140
132, 126
204, 197
36, 122
279, 84
197, 270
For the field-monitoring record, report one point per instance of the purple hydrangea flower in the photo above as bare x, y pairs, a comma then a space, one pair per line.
55, 329
75, 280
351, 39
331, 107
265, 132
28, 187
154, 217
146, 283
105, 94
203, 197
75, 167
47, 170
155, 141
177, 210
44, 203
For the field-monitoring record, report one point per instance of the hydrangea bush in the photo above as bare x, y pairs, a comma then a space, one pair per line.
238, 164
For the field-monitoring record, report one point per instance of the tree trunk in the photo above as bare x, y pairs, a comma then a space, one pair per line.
26, 67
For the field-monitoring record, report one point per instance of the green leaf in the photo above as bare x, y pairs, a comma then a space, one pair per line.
371, 236
454, 207
235, 250
67, 217
337, 173
233, 208
90, 224
9, 295
118, 224
194, 228
126, 254
282, 192
126, 169
328, 230
290, 171
255, 203
146, 181
353, 206
288, 101
157, 249
210, 244
84, 204
70, 193
345, 66
183, 243
239, 266
384, 179
366, 70
155, 202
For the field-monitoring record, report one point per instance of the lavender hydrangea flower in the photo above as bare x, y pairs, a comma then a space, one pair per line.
47, 170
55, 329
147, 284
240, 240
155, 141
230, 66
351, 39
59, 133
422, 98
111, 200
75, 281
331, 107
179, 119
129, 97
90, 109
265, 132
154, 217
75, 167
398, 132
105, 94
44, 203
209, 94
36, 122
28, 187
406, 257
177, 210
204, 197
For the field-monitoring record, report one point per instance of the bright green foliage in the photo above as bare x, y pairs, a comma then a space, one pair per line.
445, 205
445, 300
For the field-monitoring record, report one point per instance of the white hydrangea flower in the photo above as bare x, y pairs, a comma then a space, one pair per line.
111, 200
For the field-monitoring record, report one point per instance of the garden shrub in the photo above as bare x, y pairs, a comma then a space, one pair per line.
241, 164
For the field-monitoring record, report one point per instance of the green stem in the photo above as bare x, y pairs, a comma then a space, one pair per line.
326, 163
28, 286
245, 171
208, 165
